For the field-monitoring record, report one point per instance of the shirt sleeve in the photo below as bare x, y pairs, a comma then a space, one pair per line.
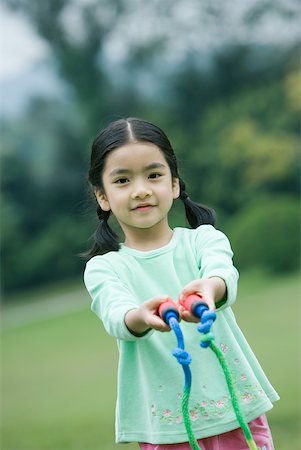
111, 298
215, 255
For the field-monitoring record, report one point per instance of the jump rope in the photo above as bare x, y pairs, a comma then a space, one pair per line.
169, 312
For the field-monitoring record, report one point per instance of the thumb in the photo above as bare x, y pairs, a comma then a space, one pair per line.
192, 288
155, 302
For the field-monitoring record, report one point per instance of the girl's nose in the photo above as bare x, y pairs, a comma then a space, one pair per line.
141, 192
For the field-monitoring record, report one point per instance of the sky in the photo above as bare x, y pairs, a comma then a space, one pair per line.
20, 46
24, 67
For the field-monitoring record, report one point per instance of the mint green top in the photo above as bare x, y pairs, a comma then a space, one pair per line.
150, 380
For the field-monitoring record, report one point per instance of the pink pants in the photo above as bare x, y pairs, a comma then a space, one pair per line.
232, 440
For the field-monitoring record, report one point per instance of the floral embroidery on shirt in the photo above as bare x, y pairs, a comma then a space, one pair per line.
220, 403
193, 414
167, 416
206, 409
248, 391
224, 348
246, 397
167, 413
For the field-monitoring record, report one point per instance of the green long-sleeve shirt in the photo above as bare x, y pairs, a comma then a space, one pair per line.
150, 381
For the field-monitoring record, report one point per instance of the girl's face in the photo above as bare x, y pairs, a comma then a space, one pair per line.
138, 187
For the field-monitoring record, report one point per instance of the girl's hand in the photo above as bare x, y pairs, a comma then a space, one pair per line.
210, 289
141, 319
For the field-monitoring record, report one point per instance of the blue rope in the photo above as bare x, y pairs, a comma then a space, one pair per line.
183, 358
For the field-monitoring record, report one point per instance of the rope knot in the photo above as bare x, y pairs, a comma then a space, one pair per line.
182, 356
206, 340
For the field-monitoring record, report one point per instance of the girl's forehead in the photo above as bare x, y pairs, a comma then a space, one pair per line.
135, 154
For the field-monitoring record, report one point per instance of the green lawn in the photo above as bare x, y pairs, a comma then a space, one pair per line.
59, 374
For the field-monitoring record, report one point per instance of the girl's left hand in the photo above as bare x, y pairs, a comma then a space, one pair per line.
210, 289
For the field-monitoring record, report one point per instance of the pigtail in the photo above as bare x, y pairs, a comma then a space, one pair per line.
196, 214
105, 240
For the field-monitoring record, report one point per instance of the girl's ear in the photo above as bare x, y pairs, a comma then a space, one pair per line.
102, 200
176, 188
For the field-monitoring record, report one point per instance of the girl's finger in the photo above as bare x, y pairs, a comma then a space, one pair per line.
158, 324
191, 288
154, 303
188, 317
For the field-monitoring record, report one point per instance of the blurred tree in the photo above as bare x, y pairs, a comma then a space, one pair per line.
46, 154
245, 141
229, 107
85, 36
266, 234
43, 196
76, 32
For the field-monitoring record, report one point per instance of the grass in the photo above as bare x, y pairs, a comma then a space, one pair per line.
59, 374
269, 314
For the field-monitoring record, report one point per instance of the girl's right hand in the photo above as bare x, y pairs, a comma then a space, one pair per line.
145, 317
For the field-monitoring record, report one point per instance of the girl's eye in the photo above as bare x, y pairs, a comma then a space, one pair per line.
121, 181
155, 175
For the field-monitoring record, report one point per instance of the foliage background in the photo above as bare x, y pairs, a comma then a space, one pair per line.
226, 91
222, 80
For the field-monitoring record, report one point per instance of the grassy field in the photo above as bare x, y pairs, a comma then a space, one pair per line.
59, 371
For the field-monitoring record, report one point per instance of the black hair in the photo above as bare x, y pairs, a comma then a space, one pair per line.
114, 135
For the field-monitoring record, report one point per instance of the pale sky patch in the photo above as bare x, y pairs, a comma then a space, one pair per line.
20, 45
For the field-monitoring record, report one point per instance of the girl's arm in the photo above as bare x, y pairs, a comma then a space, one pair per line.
122, 315
217, 282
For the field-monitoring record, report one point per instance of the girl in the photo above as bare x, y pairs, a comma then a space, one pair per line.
135, 177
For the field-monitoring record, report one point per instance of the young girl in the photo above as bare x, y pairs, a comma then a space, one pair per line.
135, 177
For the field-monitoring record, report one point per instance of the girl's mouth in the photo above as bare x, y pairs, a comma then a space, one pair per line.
145, 207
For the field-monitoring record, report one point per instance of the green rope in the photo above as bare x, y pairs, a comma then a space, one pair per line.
234, 398
184, 359
192, 440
